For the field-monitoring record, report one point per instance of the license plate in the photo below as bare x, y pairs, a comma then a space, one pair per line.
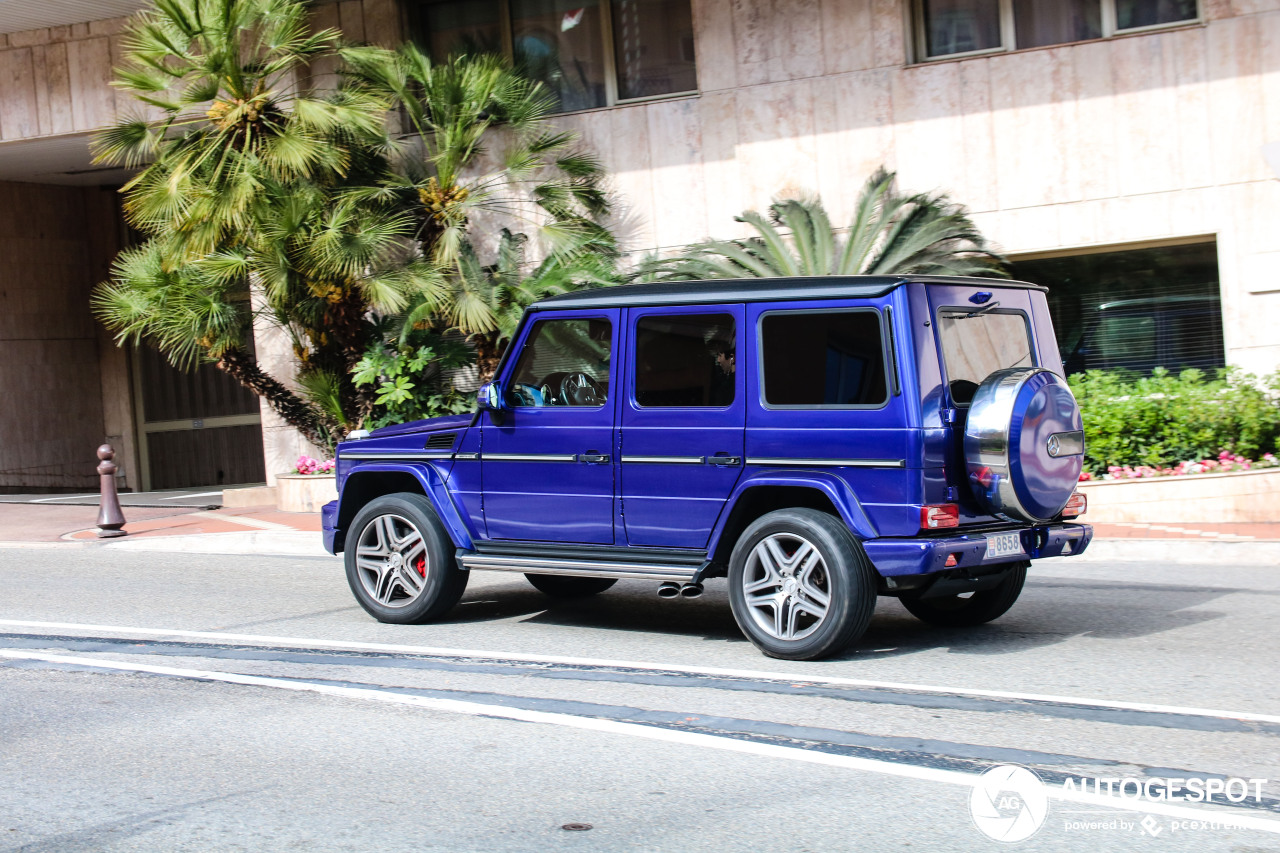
1003, 544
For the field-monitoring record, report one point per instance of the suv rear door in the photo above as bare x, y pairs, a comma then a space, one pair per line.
682, 422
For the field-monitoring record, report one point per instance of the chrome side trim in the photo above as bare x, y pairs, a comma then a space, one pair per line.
664, 460
530, 457
827, 463
379, 454
577, 568
467, 456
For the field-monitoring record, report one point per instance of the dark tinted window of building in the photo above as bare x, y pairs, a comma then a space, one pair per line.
1149, 13
653, 47
461, 26
1044, 22
647, 51
685, 360
1136, 309
823, 358
960, 26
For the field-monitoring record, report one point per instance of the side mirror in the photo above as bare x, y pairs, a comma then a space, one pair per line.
489, 399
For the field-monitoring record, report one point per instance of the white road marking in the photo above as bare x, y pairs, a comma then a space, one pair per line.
61, 498
189, 495
793, 677
477, 709
245, 521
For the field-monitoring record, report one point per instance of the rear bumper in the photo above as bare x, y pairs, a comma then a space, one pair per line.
329, 527
895, 557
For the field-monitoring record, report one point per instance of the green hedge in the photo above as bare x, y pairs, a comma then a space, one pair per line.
1163, 419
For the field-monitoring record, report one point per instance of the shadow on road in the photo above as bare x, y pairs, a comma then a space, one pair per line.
1049, 612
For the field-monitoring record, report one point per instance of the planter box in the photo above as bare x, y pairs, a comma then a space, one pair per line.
304, 492
1245, 496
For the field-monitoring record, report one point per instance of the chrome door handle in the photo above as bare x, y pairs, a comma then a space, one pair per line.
724, 460
591, 458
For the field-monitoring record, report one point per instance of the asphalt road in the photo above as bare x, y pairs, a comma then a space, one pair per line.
179, 702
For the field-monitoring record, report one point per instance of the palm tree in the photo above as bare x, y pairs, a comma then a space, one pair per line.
481, 144
891, 234
486, 301
248, 177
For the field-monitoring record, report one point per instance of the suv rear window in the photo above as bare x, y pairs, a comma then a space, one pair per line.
823, 358
977, 343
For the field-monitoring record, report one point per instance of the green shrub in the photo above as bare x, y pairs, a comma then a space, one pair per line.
1163, 419
410, 377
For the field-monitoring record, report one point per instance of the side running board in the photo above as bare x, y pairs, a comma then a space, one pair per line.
588, 562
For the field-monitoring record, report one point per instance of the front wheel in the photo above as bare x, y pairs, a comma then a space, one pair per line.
800, 585
977, 608
400, 562
569, 587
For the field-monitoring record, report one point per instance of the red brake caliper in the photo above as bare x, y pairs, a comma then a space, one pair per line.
422, 566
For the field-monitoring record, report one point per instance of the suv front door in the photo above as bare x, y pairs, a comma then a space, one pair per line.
682, 423
547, 468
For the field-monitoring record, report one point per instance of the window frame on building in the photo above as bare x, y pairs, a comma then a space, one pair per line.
1008, 31
609, 58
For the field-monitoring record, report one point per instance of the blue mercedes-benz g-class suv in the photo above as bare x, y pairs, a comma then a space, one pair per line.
819, 441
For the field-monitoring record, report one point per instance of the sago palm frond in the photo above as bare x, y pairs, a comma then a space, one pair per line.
891, 234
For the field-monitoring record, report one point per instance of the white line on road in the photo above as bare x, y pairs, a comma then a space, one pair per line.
62, 498
190, 495
792, 677
244, 521
477, 709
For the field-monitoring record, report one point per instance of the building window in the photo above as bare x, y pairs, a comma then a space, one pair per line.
1134, 310
591, 55
947, 28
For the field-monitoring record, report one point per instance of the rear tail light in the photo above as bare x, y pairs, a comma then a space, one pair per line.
938, 516
1076, 505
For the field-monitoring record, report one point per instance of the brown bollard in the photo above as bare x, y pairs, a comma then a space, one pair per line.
110, 518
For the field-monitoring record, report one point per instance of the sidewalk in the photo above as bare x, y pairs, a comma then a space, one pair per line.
267, 531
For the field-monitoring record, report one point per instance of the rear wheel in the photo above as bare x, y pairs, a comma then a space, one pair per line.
568, 587
400, 562
800, 585
978, 608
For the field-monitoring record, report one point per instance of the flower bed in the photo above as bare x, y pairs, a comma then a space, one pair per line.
308, 488
1226, 463
1236, 496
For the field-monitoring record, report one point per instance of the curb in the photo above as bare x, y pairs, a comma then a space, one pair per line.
266, 543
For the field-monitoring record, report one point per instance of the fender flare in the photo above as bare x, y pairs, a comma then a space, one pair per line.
835, 487
433, 486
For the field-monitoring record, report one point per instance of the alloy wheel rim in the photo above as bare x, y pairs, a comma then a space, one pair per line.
391, 561
787, 587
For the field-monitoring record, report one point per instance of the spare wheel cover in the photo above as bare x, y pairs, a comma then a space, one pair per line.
1023, 443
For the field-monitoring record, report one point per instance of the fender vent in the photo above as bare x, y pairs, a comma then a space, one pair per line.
440, 441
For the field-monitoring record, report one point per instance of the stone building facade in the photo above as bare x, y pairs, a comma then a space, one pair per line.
1138, 147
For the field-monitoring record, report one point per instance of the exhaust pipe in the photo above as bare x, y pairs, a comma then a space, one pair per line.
669, 589
691, 590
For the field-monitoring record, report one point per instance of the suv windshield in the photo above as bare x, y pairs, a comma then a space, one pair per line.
976, 343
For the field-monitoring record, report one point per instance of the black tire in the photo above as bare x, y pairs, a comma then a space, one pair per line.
393, 536
844, 575
562, 586
979, 608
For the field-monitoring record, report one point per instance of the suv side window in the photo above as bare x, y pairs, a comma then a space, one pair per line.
822, 359
564, 363
685, 360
